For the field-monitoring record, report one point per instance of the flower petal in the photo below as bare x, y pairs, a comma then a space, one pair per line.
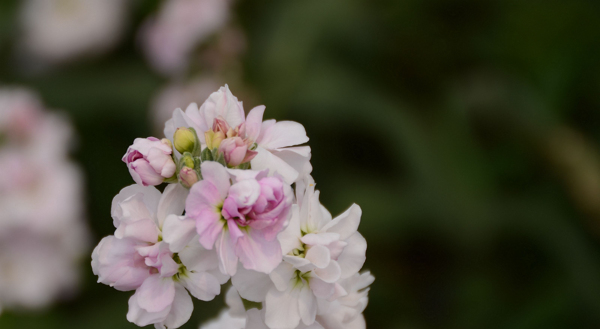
178, 231
226, 252
172, 202
282, 308
329, 274
254, 122
142, 317
307, 305
282, 134
217, 175
197, 258
289, 238
318, 255
251, 285
345, 224
267, 160
282, 276
352, 259
156, 294
256, 253
201, 285
181, 310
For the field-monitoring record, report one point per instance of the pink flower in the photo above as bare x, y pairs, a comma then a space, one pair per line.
170, 38
273, 143
149, 161
153, 252
241, 219
236, 151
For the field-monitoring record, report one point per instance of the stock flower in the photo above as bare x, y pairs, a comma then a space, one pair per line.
58, 30
149, 254
242, 219
318, 253
149, 161
346, 312
270, 144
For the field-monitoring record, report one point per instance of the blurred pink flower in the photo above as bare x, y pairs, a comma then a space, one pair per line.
170, 37
42, 232
59, 30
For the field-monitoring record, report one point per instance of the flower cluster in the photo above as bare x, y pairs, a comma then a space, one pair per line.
42, 232
239, 204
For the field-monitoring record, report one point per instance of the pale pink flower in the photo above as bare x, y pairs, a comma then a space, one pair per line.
170, 37
154, 253
42, 232
318, 252
242, 219
149, 161
274, 142
59, 30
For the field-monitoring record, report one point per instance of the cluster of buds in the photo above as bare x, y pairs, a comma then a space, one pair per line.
239, 204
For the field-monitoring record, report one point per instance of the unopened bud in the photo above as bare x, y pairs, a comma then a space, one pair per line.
213, 139
184, 140
187, 161
188, 177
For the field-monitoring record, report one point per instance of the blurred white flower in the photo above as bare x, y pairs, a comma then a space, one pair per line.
169, 38
59, 30
42, 232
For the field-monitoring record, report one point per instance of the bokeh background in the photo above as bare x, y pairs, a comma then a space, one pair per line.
468, 131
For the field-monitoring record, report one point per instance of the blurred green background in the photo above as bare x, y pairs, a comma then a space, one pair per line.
468, 131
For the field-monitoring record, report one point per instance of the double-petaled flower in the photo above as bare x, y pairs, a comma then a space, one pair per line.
151, 254
240, 213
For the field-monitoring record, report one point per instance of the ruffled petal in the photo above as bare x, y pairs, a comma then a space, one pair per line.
156, 294
352, 259
251, 285
282, 134
201, 285
256, 253
181, 310
172, 202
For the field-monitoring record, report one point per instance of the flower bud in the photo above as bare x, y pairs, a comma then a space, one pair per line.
149, 161
188, 177
235, 150
213, 139
184, 140
187, 161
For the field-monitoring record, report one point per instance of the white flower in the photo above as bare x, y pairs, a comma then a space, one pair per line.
346, 312
60, 30
318, 252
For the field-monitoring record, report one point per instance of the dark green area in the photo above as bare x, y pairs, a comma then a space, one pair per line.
444, 120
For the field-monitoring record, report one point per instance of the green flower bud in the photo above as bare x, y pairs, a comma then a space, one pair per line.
184, 140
